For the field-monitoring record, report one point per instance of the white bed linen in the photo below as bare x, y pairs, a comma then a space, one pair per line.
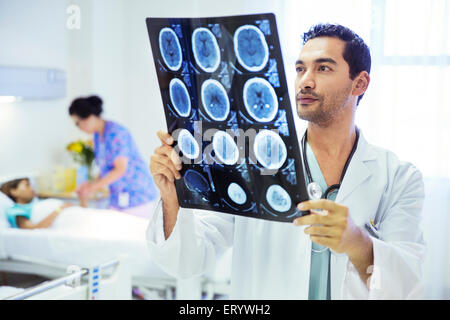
7, 291
85, 237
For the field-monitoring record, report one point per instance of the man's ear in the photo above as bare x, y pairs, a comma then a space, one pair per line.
361, 83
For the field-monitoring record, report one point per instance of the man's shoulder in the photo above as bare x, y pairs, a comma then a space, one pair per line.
393, 164
387, 155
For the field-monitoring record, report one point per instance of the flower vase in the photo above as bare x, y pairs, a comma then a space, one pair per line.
90, 172
84, 174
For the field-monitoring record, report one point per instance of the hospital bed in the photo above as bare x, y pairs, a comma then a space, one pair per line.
82, 237
79, 284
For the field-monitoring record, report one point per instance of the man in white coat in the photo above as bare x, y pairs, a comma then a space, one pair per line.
370, 232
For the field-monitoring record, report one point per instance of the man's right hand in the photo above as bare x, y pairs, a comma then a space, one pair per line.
165, 165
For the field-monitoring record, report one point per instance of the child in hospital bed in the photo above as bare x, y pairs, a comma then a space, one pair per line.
23, 195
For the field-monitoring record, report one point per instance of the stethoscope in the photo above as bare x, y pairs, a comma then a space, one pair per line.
313, 188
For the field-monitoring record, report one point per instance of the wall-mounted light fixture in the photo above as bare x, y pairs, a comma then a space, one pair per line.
31, 83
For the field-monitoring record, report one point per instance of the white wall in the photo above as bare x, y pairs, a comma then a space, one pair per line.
32, 133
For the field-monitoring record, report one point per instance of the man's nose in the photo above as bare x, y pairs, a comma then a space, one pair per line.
307, 81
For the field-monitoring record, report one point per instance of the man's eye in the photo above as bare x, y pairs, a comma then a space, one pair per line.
299, 69
324, 68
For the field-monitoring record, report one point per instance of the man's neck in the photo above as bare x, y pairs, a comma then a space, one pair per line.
334, 140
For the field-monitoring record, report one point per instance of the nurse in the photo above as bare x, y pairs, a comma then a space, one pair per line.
363, 241
122, 168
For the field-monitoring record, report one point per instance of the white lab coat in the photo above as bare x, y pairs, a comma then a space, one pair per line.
271, 260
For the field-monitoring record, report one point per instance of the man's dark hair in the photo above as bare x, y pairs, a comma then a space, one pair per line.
11, 185
84, 107
356, 52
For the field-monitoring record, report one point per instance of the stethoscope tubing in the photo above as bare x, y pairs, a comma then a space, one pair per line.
347, 163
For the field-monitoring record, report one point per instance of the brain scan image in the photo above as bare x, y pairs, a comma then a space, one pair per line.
180, 98
206, 50
194, 181
215, 100
269, 149
170, 48
236, 193
187, 144
278, 198
227, 105
260, 99
225, 148
251, 48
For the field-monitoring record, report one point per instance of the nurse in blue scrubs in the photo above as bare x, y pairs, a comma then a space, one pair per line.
122, 169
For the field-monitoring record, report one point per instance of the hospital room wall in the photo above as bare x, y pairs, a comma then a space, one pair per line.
32, 133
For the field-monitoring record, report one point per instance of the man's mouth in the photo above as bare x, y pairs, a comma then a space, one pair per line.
306, 99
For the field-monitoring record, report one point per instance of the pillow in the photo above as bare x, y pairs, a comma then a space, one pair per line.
5, 202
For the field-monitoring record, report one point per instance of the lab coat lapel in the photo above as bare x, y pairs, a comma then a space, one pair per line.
356, 174
357, 171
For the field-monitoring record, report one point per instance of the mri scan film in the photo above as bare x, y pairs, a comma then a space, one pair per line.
226, 102
170, 48
205, 49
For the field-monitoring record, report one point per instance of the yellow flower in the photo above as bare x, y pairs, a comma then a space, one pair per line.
75, 147
82, 151
90, 143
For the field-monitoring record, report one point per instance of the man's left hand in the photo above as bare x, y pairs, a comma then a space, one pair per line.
330, 226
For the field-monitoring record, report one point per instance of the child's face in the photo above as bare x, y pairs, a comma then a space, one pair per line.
24, 193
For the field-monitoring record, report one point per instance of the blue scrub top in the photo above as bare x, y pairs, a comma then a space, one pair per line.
137, 183
319, 280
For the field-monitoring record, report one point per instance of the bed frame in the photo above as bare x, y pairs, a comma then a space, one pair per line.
108, 281
117, 284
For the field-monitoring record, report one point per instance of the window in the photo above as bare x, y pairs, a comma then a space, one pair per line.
407, 106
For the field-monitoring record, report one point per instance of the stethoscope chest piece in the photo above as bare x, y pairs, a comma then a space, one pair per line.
314, 191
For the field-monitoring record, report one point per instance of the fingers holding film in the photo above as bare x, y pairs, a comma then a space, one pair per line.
161, 169
171, 154
164, 161
165, 137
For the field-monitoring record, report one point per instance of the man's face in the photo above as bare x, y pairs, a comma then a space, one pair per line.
24, 193
323, 86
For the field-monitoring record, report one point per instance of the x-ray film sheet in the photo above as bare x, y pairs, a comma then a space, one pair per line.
226, 103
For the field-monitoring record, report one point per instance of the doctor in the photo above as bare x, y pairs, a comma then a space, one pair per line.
362, 242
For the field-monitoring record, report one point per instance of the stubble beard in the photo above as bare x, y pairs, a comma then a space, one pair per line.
326, 109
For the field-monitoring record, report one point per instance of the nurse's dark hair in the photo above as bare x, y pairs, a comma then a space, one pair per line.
356, 52
83, 107
11, 185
